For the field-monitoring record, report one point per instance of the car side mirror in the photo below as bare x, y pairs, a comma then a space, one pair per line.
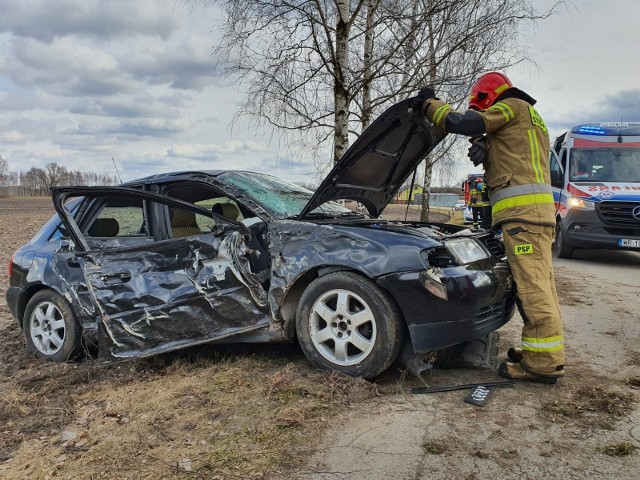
556, 179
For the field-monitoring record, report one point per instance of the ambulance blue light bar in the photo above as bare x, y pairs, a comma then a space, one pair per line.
608, 128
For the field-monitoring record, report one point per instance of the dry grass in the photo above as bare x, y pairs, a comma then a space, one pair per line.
434, 448
633, 381
244, 417
591, 406
248, 412
619, 449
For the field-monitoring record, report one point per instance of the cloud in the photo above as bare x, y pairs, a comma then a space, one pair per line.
11, 136
200, 152
619, 106
623, 105
121, 106
69, 67
188, 65
100, 19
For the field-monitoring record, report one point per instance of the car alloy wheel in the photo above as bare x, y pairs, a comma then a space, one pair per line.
346, 322
50, 327
342, 327
47, 328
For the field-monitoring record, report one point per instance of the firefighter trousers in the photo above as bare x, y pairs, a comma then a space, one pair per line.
528, 249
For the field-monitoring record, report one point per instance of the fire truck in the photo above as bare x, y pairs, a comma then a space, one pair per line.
467, 186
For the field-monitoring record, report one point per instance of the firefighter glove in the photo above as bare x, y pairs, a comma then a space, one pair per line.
478, 150
416, 103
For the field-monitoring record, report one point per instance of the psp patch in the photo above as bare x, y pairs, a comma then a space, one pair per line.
524, 249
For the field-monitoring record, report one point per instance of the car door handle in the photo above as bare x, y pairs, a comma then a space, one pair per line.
115, 277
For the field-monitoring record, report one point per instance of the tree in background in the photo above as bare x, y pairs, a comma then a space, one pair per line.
4, 170
318, 71
53, 175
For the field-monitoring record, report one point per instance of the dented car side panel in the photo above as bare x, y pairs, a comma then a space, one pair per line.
480, 294
159, 296
168, 295
373, 250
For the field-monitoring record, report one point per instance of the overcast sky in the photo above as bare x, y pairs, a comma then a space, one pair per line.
82, 81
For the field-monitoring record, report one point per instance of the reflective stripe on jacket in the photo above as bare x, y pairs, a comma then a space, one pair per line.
518, 156
477, 198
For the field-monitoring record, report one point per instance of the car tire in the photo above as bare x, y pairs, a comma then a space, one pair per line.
345, 322
51, 330
560, 248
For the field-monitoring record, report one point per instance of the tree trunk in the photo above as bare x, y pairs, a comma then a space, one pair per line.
428, 163
426, 189
368, 56
410, 47
341, 94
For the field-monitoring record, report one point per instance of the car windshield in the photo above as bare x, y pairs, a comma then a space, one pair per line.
605, 164
281, 199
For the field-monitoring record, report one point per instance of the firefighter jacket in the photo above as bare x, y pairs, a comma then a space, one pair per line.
517, 169
479, 198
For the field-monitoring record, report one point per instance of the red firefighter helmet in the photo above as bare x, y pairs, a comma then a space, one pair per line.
488, 87
479, 180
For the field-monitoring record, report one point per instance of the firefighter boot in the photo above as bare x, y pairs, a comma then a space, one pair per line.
514, 354
514, 371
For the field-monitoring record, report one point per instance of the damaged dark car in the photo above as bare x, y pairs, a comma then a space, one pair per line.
182, 259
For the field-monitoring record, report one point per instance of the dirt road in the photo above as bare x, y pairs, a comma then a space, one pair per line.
583, 427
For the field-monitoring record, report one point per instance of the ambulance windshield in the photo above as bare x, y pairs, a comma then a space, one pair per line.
604, 164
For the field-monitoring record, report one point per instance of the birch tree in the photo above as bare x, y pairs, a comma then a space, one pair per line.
4, 170
319, 71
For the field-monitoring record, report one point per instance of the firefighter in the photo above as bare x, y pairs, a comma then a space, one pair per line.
510, 138
480, 206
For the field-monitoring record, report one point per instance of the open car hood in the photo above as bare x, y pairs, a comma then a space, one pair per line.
379, 161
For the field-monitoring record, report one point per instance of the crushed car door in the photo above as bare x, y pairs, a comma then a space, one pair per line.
169, 291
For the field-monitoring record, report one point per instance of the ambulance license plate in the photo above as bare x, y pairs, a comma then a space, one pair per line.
625, 242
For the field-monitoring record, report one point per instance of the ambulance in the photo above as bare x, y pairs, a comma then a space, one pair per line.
595, 177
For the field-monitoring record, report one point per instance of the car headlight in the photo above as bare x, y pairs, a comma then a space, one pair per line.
432, 282
466, 250
577, 202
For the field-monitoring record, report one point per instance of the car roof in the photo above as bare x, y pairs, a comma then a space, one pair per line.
168, 176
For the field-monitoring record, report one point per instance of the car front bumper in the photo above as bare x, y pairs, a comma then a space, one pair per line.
585, 229
479, 301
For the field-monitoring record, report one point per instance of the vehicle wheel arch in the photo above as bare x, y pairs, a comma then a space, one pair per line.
289, 304
560, 248
58, 310
394, 328
558, 218
28, 295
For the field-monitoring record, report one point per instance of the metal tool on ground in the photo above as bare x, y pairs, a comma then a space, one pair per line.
451, 388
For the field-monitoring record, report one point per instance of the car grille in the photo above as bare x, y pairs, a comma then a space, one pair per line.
618, 213
623, 232
495, 246
490, 313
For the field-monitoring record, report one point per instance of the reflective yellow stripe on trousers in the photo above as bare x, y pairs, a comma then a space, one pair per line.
522, 200
548, 344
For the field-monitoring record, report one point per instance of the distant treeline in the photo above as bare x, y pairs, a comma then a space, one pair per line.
38, 181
